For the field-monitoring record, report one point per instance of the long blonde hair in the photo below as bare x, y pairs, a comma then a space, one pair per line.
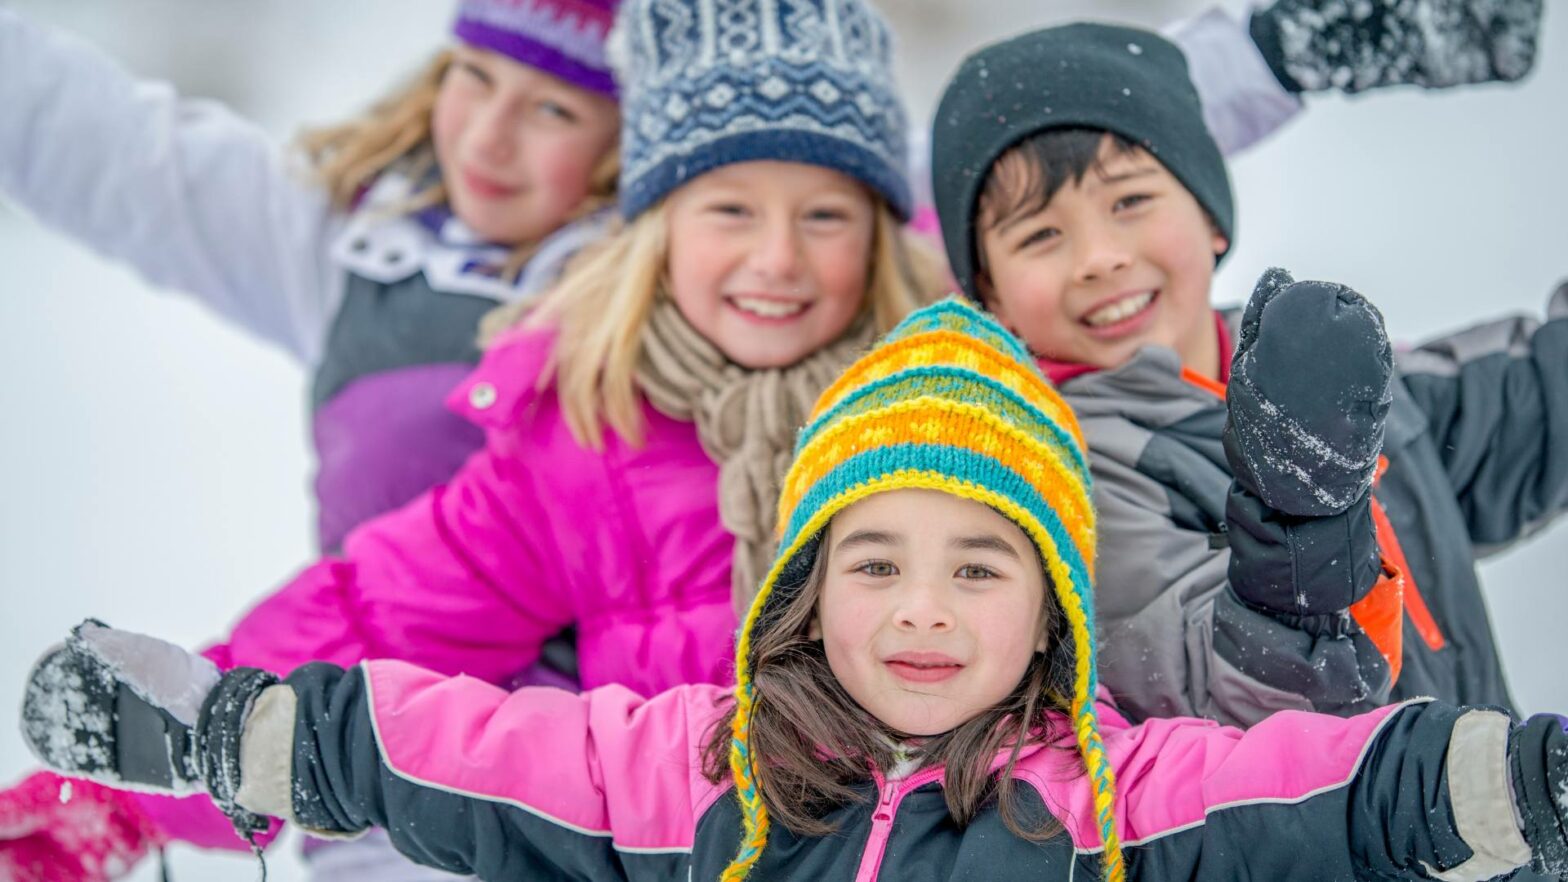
396, 131
603, 300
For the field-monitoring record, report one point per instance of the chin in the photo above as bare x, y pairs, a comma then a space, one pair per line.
937, 721
756, 358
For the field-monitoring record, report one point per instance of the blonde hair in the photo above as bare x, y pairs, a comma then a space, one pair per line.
396, 131
604, 298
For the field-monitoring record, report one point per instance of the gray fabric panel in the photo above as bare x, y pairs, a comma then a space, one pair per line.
382, 327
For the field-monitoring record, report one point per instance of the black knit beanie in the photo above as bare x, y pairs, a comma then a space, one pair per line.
1123, 80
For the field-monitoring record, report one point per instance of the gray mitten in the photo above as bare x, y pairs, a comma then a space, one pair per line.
1354, 45
137, 713
1310, 388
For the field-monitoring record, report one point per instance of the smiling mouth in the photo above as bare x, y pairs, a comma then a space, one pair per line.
487, 188
1120, 310
923, 672
767, 307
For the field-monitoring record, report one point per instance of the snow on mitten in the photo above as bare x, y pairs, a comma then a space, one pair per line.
1310, 388
1538, 764
55, 829
135, 712
1354, 45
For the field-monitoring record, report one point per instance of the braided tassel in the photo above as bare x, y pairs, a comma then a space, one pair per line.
1086, 721
754, 815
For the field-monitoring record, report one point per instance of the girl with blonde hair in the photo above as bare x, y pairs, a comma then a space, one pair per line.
368, 250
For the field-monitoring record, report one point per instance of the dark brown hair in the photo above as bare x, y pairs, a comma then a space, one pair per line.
1028, 176
812, 744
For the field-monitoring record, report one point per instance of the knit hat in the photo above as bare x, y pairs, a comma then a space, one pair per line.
1123, 80
713, 82
948, 401
564, 38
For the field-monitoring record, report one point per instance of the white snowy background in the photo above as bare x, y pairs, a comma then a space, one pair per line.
154, 464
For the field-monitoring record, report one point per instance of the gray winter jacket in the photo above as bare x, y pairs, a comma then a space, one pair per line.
1477, 451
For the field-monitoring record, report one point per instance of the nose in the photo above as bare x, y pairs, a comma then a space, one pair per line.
1100, 252
923, 607
493, 132
777, 254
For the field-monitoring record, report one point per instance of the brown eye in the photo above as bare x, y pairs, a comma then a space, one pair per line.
557, 111
1041, 235
1132, 201
878, 569
975, 572
468, 68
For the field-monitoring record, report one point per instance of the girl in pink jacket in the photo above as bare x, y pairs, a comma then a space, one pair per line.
916, 697
368, 253
637, 423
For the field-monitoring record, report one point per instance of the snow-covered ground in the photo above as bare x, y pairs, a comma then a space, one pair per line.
154, 463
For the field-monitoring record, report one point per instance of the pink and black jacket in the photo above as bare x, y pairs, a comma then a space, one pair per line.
546, 784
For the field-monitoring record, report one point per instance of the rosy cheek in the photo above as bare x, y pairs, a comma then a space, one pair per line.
842, 271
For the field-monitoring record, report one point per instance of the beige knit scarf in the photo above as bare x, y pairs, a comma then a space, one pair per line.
746, 419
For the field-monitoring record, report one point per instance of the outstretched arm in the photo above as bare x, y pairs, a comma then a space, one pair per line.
1251, 75
1415, 791
1496, 401
192, 196
463, 775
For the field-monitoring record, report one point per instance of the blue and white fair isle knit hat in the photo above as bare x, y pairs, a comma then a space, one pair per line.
706, 83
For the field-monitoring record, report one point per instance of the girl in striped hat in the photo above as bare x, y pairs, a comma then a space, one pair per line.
635, 429
916, 698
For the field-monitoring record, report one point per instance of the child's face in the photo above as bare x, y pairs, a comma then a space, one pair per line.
1112, 264
769, 260
517, 147
930, 609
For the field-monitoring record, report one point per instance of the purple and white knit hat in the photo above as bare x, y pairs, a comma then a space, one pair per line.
564, 38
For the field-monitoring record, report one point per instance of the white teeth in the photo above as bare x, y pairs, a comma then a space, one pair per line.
768, 308
1124, 308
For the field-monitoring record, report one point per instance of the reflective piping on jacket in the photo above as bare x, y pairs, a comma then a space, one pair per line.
1355, 768
386, 760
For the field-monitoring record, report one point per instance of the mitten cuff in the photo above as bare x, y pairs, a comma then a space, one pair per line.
1265, 35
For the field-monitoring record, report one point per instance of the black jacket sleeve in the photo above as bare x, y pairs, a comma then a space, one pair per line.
1496, 402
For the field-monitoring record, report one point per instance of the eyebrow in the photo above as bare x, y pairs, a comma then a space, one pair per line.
986, 542
868, 537
1127, 176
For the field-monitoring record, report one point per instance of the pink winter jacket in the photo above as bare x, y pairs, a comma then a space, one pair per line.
533, 534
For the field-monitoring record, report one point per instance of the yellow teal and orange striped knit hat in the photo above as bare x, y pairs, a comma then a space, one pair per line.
948, 401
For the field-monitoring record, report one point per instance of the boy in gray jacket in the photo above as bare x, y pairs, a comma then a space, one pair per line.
1289, 514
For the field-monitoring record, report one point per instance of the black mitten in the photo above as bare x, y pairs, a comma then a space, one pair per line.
135, 712
1353, 45
1538, 762
1310, 388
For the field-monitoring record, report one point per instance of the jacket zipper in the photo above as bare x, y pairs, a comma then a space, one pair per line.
890, 794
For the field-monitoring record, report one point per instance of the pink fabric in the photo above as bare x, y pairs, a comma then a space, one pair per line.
606, 762
533, 533
1284, 758
612, 764
56, 829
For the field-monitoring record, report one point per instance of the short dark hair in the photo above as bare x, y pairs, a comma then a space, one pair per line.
1034, 170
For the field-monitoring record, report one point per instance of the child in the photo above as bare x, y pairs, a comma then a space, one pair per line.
372, 265
1233, 550
370, 257
625, 478
916, 698
371, 251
